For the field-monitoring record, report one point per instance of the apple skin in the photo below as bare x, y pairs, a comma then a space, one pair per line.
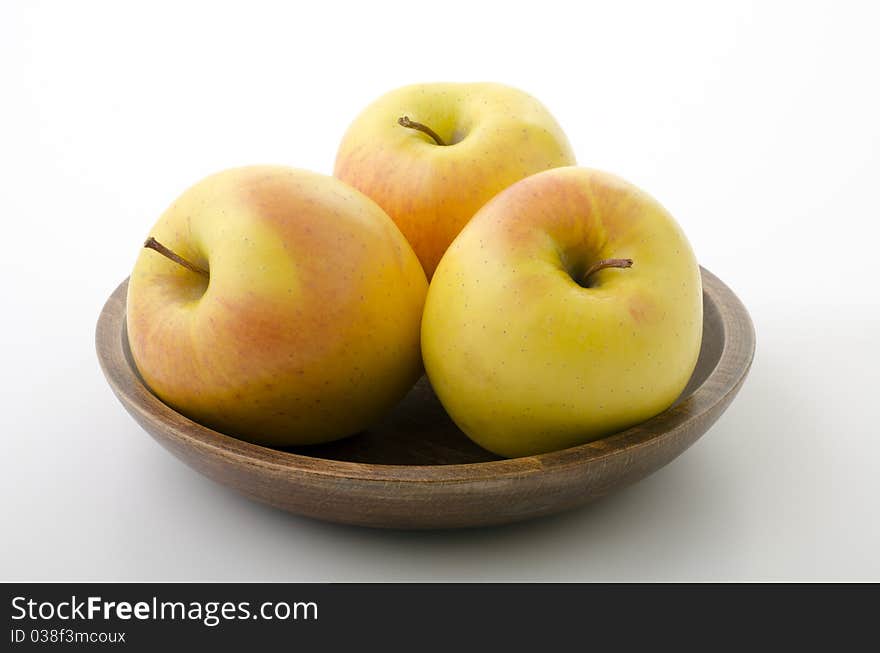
308, 329
526, 360
496, 135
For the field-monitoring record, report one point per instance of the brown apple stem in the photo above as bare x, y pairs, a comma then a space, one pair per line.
152, 243
411, 124
605, 263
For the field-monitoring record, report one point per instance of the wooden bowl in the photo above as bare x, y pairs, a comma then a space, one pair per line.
416, 469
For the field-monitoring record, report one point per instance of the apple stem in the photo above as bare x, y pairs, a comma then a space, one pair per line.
411, 124
152, 243
605, 263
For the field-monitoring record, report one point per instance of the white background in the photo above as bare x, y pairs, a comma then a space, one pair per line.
756, 124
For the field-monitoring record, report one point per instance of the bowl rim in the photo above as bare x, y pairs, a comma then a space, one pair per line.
737, 353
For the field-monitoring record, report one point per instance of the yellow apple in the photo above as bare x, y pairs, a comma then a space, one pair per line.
291, 315
536, 335
432, 154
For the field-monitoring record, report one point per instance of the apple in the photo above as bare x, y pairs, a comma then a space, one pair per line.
432, 154
277, 305
569, 308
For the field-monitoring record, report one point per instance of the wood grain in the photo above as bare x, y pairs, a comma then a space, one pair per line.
416, 469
